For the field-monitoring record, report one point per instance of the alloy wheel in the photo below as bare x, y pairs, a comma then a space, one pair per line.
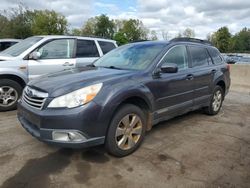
128, 132
217, 99
8, 96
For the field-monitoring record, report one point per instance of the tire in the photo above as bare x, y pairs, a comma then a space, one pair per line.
215, 101
122, 140
10, 92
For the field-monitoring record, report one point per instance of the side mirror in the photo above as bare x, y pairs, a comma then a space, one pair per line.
169, 68
35, 55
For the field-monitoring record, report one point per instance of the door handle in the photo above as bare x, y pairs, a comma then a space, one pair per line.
190, 77
214, 71
68, 64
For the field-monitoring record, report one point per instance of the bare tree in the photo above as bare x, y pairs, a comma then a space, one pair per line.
189, 33
164, 34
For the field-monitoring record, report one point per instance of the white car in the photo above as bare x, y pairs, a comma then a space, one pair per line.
39, 55
6, 43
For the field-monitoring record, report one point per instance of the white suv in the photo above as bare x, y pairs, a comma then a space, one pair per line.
39, 55
6, 43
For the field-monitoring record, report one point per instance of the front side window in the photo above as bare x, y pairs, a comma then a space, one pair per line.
57, 49
106, 46
132, 56
199, 56
86, 48
177, 55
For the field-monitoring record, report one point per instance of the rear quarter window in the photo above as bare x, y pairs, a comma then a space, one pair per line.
106, 46
215, 54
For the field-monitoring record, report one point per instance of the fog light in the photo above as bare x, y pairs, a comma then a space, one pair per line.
68, 136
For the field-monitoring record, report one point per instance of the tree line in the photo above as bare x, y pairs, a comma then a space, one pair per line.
21, 23
228, 43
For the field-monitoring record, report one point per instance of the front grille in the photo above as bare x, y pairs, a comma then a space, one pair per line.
34, 98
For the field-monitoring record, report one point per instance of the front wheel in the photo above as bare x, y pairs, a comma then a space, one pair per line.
10, 91
126, 131
215, 102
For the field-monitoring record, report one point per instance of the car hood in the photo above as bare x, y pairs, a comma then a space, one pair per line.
5, 57
63, 82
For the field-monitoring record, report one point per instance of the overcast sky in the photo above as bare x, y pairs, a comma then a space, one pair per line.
172, 16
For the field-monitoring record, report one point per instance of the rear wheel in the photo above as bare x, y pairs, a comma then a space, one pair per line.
126, 131
215, 102
10, 92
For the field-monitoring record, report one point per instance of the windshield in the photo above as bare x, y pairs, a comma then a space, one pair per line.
133, 56
20, 47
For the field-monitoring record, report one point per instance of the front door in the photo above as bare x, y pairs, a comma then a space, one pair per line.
55, 55
174, 91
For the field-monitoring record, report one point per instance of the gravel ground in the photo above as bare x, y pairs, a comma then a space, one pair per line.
193, 150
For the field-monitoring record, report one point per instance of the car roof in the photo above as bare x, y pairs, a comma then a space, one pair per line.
174, 42
10, 40
70, 36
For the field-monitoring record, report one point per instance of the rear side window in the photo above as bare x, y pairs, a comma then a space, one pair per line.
86, 48
199, 56
215, 54
106, 46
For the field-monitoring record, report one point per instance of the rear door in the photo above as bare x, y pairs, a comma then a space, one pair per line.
86, 52
55, 55
203, 72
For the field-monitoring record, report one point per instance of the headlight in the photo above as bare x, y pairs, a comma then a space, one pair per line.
76, 98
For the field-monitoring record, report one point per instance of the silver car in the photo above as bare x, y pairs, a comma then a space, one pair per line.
39, 55
6, 43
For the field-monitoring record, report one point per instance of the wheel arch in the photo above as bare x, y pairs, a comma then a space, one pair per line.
222, 84
140, 101
13, 77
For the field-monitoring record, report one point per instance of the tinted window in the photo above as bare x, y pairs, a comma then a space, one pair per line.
199, 56
5, 45
177, 55
57, 49
86, 48
215, 54
22, 46
106, 46
2, 46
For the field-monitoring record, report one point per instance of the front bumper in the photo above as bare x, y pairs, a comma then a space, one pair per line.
83, 120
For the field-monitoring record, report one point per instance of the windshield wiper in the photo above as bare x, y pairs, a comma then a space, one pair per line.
113, 67
90, 65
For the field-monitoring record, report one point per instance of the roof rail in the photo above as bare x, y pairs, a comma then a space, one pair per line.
91, 36
142, 40
185, 39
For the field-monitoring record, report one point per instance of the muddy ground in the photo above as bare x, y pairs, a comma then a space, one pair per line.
194, 150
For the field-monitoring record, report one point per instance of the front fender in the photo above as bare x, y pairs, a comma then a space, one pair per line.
14, 72
118, 94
